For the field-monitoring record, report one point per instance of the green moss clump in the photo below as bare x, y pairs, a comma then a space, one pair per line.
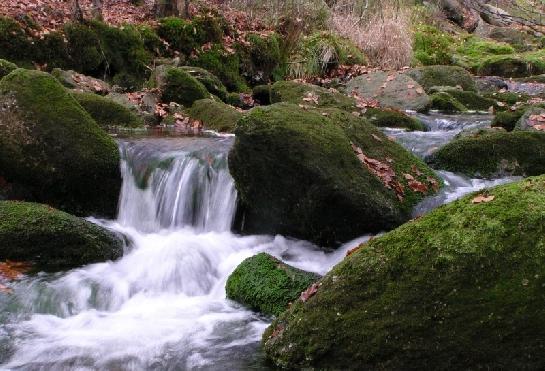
6, 67
262, 59
432, 46
472, 100
51, 238
52, 50
513, 65
209, 80
215, 115
177, 85
225, 65
262, 94
106, 112
393, 119
445, 102
490, 154
297, 174
53, 149
465, 281
431, 76
508, 97
265, 284
507, 119
296, 93
14, 42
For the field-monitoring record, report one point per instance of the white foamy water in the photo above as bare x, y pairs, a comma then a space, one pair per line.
162, 306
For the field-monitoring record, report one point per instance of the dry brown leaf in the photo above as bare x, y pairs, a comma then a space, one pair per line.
482, 199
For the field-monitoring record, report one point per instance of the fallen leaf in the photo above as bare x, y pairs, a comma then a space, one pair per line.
310, 292
482, 199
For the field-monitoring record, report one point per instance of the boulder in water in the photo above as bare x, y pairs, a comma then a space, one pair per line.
323, 175
393, 90
492, 153
392, 118
265, 284
215, 115
106, 112
459, 288
51, 238
52, 151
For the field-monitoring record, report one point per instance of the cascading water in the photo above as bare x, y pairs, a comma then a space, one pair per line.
162, 306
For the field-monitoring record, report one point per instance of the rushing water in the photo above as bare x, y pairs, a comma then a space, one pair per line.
162, 306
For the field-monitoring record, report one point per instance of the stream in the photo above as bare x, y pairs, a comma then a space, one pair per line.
162, 306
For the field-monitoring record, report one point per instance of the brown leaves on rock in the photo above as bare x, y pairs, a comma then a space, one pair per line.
482, 198
10, 271
310, 292
364, 103
311, 98
537, 121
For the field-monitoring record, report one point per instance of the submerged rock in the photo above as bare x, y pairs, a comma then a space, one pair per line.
106, 112
52, 151
53, 239
323, 175
215, 115
395, 90
459, 288
267, 285
490, 154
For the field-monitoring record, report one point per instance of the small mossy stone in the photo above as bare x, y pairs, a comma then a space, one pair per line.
310, 95
442, 76
177, 85
446, 103
262, 94
6, 68
393, 119
297, 174
52, 239
52, 148
459, 288
507, 119
209, 80
215, 115
106, 112
492, 154
265, 284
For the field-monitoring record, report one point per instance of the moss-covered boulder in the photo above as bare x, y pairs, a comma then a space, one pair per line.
533, 119
177, 85
106, 112
51, 150
393, 90
215, 115
73, 80
431, 76
323, 175
460, 288
512, 66
446, 103
491, 154
393, 119
310, 95
209, 80
472, 100
265, 284
507, 119
52, 238
6, 67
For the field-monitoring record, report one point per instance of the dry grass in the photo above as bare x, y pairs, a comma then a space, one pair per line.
383, 33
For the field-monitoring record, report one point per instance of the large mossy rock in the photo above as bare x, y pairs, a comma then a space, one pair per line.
106, 112
177, 85
446, 103
310, 95
431, 76
511, 66
322, 175
215, 115
393, 90
491, 154
52, 151
209, 80
51, 238
265, 284
460, 288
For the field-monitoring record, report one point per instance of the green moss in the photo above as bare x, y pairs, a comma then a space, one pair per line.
106, 112
507, 119
209, 80
393, 119
509, 98
472, 51
297, 174
445, 102
152, 42
15, 45
296, 93
465, 281
432, 46
51, 238
494, 153
262, 94
53, 149
261, 58
225, 65
472, 100
265, 284
180, 87
520, 65
6, 67
215, 115
431, 76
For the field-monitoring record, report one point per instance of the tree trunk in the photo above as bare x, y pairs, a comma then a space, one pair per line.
166, 8
97, 10
77, 13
